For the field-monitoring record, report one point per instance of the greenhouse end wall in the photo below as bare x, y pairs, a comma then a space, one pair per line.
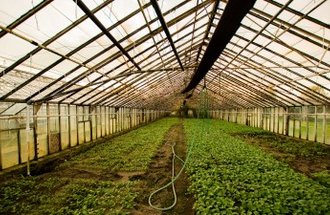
52, 128
304, 122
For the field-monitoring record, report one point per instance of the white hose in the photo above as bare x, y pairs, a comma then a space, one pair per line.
174, 178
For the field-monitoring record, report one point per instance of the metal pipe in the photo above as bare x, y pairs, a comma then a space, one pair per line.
165, 29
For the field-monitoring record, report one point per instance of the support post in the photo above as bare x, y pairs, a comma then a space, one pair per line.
19, 148
69, 125
324, 124
90, 112
294, 126
48, 128
307, 124
77, 125
247, 116
315, 124
36, 108
27, 139
261, 118
278, 120
300, 122
59, 127
287, 120
0, 156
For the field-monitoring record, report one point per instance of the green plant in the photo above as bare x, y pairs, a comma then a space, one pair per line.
323, 177
282, 143
67, 191
231, 177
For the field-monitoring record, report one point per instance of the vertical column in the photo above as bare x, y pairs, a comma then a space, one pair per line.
77, 125
59, 127
294, 123
90, 123
246, 116
19, 148
84, 123
69, 125
36, 108
274, 118
0, 157
287, 121
315, 124
261, 117
95, 112
107, 120
324, 124
121, 118
101, 121
116, 120
124, 118
48, 128
27, 140
282, 120
307, 123
300, 117
278, 120
110, 120
270, 119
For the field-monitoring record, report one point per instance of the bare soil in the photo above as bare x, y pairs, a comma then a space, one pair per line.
159, 174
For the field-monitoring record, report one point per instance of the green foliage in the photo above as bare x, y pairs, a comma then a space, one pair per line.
25, 194
87, 197
129, 152
283, 143
60, 193
231, 177
204, 104
323, 177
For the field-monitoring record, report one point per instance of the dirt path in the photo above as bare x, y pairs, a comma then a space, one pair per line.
159, 174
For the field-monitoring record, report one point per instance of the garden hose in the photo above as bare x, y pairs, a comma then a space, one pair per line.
174, 178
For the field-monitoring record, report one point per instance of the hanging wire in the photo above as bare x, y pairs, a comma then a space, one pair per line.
161, 5
4, 66
110, 9
76, 9
35, 16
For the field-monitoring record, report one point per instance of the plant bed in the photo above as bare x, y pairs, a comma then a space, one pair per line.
91, 182
229, 176
309, 158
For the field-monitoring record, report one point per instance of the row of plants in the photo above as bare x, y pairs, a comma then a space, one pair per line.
58, 195
129, 152
229, 176
283, 143
81, 185
317, 155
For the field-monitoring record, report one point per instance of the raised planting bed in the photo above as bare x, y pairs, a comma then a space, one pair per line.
94, 182
309, 158
229, 176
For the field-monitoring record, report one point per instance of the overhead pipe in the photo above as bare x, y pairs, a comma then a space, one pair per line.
230, 21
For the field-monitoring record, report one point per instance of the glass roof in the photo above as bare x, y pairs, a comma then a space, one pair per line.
112, 52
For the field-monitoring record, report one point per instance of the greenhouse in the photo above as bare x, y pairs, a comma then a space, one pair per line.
165, 107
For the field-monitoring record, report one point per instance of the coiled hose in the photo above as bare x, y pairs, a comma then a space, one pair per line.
174, 178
